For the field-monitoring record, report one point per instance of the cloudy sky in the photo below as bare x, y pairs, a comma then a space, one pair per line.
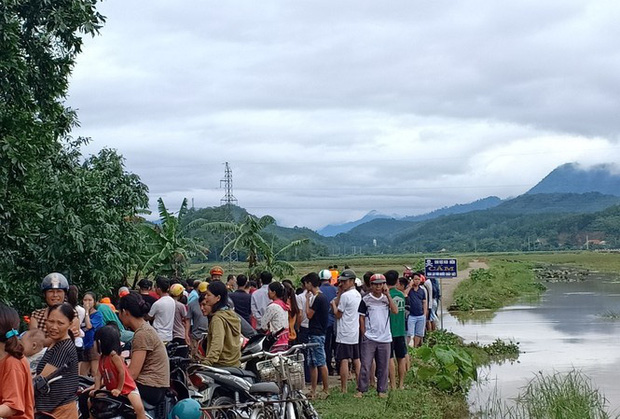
326, 110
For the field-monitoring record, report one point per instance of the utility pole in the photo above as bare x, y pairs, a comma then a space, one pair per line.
228, 201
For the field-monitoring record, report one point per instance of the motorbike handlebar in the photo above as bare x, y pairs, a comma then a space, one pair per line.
289, 351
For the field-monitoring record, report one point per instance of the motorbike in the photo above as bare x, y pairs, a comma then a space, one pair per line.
272, 390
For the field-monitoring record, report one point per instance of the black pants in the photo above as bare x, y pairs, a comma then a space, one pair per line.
330, 345
302, 337
152, 395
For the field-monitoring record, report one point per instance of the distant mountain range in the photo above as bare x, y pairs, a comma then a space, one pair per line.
570, 178
334, 229
549, 216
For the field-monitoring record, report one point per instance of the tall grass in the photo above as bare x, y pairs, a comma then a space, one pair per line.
558, 396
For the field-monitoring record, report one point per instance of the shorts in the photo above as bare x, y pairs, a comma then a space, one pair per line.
347, 351
80, 354
399, 347
316, 355
91, 354
416, 325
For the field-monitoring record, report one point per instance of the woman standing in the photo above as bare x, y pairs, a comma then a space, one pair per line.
16, 395
224, 335
149, 361
294, 315
275, 320
92, 322
60, 359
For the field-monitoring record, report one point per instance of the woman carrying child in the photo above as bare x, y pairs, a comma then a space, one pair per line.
16, 394
113, 373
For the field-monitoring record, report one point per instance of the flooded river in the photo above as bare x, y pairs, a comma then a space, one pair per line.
563, 330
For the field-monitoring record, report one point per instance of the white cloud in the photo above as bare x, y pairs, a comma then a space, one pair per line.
327, 111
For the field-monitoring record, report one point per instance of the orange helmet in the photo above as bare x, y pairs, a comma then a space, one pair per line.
216, 270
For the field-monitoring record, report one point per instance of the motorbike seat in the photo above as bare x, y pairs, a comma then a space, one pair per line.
239, 372
265, 388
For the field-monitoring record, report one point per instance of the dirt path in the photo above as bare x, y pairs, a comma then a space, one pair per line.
449, 285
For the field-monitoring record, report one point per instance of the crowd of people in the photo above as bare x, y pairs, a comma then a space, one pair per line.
359, 326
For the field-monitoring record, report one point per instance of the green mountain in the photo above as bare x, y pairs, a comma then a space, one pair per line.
275, 235
539, 221
573, 178
558, 203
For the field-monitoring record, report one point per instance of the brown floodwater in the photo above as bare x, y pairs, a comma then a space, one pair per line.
565, 329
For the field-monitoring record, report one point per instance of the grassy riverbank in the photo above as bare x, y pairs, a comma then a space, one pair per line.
436, 386
490, 289
598, 261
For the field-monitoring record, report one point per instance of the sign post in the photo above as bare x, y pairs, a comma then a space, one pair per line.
440, 268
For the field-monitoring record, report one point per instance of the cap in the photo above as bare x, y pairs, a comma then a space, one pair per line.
176, 290
216, 270
347, 274
358, 282
325, 275
123, 291
377, 279
203, 287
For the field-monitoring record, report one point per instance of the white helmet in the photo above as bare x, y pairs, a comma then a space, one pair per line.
325, 275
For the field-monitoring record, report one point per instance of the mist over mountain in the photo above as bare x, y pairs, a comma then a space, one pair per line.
334, 229
573, 178
481, 204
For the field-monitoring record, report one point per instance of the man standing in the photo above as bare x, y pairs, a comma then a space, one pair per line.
418, 307
345, 307
397, 328
231, 283
162, 311
145, 291
317, 309
196, 323
242, 299
216, 273
329, 291
193, 295
374, 312
260, 298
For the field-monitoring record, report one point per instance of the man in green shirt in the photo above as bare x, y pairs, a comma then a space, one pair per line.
397, 327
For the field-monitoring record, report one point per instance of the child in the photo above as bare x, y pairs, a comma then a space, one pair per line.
113, 372
33, 341
16, 393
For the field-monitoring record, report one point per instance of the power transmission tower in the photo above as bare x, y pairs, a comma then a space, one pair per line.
229, 201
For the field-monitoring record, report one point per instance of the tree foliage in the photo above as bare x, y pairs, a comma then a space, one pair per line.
168, 247
247, 237
59, 211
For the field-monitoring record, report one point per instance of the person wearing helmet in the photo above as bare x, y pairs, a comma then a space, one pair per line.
186, 409
180, 328
54, 287
216, 273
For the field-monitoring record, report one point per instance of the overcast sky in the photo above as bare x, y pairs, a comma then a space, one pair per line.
327, 110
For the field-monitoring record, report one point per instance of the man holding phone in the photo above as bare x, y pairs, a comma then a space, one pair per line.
374, 315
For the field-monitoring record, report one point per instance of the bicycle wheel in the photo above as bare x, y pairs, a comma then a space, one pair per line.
304, 407
223, 413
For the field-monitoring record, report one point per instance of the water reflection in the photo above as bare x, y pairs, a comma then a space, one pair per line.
561, 331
